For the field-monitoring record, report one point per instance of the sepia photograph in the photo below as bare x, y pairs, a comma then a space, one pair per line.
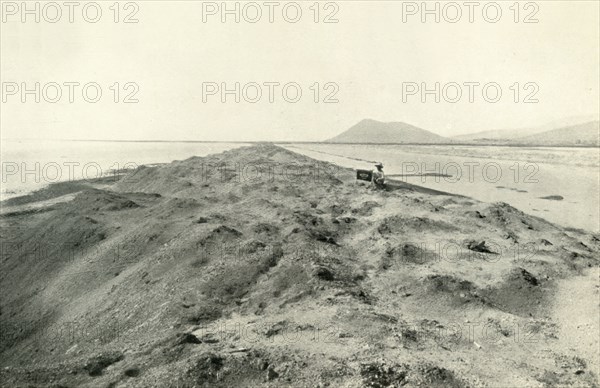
310, 193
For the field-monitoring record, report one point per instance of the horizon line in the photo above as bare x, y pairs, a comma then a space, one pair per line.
457, 143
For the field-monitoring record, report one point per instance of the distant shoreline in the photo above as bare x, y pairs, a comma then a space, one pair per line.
462, 144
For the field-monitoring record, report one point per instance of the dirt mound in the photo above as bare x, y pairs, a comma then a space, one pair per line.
404, 254
262, 267
252, 167
101, 200
366, 208
502, 214
381, 375
520, 293
395, 225
435, 376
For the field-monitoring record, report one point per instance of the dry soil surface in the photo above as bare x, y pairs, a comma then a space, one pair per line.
262, 267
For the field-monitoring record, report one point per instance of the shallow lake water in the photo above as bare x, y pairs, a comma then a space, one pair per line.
32, 164
519, 176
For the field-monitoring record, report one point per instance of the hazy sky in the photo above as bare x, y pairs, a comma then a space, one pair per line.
369, 54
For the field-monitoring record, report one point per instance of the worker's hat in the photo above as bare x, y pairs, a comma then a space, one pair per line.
379, 165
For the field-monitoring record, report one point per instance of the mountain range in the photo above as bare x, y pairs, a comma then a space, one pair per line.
576, 131
373, 131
